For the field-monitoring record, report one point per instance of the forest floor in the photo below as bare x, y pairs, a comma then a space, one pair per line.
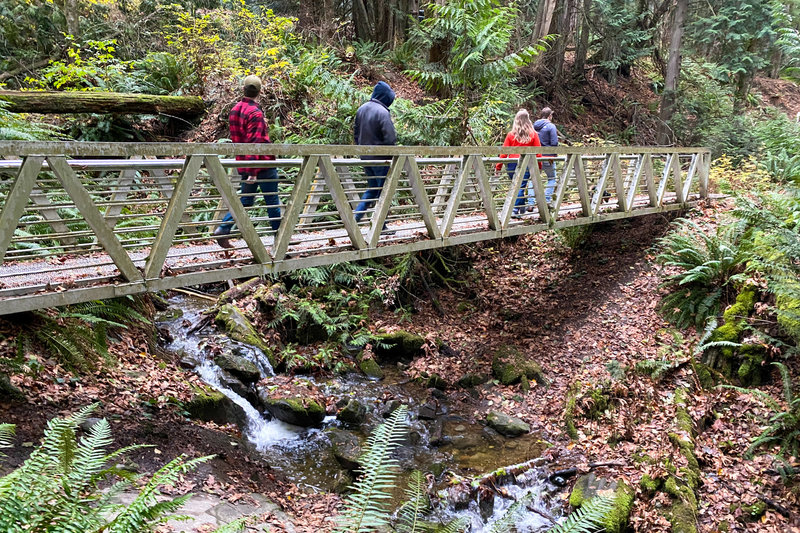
587, 315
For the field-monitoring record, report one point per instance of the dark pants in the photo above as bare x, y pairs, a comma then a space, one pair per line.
511, 168
374, 185
267, 181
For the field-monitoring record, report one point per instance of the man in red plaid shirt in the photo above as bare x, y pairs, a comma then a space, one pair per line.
248, 126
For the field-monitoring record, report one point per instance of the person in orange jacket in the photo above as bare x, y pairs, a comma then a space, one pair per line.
521, 134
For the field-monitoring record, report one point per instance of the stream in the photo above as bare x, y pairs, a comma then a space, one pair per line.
304, 456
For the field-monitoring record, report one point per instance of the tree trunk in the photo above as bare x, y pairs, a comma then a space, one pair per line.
566, 26
669, 96
361, 21
97, 102
544, 18
72, 16
582, 48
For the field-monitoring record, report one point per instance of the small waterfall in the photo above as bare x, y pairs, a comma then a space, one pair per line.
261, 432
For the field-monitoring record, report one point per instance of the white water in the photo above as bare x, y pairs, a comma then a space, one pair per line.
261, 432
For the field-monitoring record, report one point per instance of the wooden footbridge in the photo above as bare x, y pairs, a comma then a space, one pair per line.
86, 221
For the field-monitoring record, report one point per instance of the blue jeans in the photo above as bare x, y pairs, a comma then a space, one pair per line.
267, 180
511, 168
374, 185
549, 168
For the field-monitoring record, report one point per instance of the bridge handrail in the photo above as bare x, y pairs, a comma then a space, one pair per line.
107, 219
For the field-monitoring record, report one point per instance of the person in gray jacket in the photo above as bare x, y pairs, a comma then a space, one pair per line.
374, 126
548, 136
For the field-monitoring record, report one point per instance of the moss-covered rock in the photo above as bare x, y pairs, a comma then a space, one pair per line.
237, 326
353, 413
304, 412
211, 405
622, 494
752, 513
468, 381
370, 368
435, 381
8, 392
239, 366
509, 364
723, 358
398, 346
506, 425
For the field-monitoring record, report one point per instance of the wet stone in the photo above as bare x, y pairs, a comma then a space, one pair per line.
427, 411
345, 446
240, 367
506, 425
354, 413
389, 407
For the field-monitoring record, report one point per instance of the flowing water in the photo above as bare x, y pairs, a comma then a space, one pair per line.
303, 455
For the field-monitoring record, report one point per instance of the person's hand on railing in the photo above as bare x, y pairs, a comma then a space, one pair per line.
252, 177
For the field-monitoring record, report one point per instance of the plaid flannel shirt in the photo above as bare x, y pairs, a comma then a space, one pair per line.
248, 126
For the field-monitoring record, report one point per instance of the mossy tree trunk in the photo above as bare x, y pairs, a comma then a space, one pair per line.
101, 102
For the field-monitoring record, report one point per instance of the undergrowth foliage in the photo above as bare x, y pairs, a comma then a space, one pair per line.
702, 269
57, 489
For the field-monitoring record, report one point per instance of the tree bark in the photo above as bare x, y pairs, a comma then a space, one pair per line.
544, 18
669, 96
97, 102
582, 47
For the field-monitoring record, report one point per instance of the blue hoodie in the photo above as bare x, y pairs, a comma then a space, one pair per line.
548, 135
373, 125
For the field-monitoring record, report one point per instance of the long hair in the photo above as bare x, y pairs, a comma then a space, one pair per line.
523, 127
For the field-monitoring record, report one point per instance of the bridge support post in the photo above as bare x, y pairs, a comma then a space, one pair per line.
17, 200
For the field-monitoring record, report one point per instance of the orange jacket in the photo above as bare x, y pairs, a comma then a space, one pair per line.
512, 141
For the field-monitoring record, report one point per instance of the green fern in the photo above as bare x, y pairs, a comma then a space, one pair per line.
366, 509
784, 423
707, 265
56, 490
587, 519
417, 504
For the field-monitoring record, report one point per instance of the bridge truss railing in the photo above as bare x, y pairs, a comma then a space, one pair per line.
83, 221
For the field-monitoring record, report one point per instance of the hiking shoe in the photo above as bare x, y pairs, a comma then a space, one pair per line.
223, 238
530, 209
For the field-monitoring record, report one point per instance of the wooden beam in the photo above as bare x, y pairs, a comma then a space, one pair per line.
172, 217
295, 206
421, 197
17, 200
105, 236
220, 180
385, 201
61, 102
331, 177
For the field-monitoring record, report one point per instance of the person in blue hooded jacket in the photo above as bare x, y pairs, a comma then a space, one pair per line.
374, 126
548, 136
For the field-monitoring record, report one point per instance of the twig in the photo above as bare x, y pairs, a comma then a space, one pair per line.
197, 294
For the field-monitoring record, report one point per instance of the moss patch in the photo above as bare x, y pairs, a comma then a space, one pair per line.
509, 364
622, 495
569, 412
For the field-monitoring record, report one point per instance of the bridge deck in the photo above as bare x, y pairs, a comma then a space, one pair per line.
79, 229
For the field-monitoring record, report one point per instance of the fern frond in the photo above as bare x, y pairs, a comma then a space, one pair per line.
365, 509
410, 513
587, 519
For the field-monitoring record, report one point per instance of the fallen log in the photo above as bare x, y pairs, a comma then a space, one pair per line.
101, 102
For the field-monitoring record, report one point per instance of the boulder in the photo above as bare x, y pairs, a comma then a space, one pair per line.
506, 425
509, 364
589, 486
238, 366
168, 314
370, 368
238, 327
346, 447
229, 381
435, 381
427, 411
212, 406
353, 413
304, 412
398, 345
468, 381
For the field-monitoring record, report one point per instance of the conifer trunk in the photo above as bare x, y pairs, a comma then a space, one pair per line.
669, 96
